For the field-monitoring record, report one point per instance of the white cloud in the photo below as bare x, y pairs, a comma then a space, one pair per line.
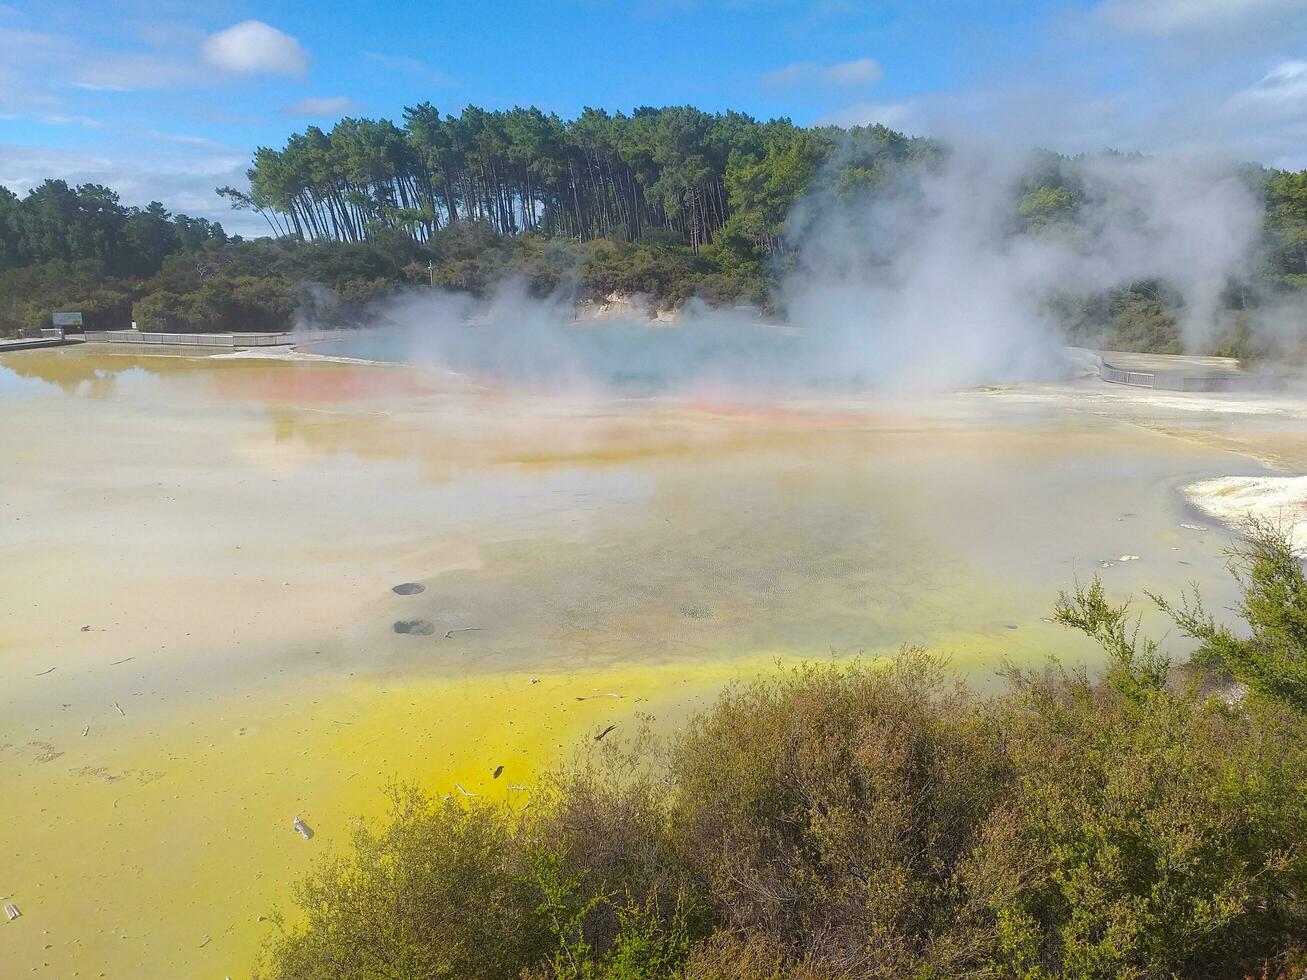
904, 116
38, 69
1267, 121
1165, 18
64, 119
132, 72
185, 139
1281, 92
333, 105
22, 86
862, 71
396, 62
789, 75
255, 48
183, 179
415, 68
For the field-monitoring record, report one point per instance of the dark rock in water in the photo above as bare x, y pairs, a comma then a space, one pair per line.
415, 627
409, 588
1010, 626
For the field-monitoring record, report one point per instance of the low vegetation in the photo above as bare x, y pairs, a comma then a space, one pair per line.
882, 820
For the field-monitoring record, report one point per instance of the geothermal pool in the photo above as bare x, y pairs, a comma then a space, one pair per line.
197, 555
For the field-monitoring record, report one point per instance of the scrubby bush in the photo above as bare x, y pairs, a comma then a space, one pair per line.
30, 294
881, 820
445, 890
1145, 322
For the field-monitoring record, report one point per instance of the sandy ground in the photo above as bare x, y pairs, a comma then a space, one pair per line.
196, 640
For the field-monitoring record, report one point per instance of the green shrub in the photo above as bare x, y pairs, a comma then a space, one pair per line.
881, 821
834, 808
1143, 323
443, 891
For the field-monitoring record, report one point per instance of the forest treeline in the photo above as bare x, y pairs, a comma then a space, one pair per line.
669, 203
677, 171
877, 822
58, 223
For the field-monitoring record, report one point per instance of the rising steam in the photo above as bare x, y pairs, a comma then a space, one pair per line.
930, 284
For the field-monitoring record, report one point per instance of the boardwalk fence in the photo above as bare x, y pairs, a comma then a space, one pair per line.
192, 339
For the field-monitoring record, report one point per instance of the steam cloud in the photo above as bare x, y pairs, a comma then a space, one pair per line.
927, 286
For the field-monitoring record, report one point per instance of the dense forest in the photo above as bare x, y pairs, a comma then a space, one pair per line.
676, 171
881, 821
669, 203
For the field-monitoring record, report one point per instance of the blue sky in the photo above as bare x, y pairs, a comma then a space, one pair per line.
166, 99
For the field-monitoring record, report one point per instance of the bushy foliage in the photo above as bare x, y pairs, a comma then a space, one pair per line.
880, 820
443, 891
1046, 207
1286, 226
29, 294
833, 809
1271, 662
57, 223
1143, 322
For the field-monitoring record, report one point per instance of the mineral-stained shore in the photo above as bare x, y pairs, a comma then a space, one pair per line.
1281, 500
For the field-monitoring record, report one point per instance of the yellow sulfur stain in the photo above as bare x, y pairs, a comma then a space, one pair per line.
97, 839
